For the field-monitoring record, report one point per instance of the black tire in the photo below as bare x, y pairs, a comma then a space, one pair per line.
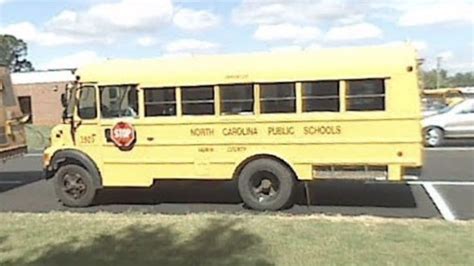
74, 186
253, 185
433, 137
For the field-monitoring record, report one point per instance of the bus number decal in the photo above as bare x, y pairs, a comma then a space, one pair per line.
88, 139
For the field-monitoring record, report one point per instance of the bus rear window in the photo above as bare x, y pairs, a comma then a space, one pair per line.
365, 95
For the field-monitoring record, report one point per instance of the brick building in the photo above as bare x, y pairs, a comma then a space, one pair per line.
39, 94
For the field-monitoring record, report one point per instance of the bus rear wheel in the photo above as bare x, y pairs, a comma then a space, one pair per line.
266, 185
74, 186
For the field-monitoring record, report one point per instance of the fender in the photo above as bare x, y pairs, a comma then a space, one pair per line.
250, 157
79, 157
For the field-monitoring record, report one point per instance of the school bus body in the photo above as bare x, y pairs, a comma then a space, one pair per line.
12, 133
219, 146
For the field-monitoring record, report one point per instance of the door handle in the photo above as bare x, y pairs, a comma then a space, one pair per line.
150, 138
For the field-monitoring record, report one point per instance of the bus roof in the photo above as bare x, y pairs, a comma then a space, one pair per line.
321, 64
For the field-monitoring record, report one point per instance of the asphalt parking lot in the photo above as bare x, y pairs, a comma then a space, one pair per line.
449, 170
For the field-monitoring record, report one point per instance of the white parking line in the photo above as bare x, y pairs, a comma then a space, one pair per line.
34, 155
10, 182
450, 149
439, 202
442, 183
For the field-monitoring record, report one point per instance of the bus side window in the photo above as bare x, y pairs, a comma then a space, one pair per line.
365, 95
320, 96
237, 99
277, 98
87, 103
160, 102
198, 100
118, 101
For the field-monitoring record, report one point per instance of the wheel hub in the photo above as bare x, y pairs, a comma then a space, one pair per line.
74, 185
432, 137
265, 188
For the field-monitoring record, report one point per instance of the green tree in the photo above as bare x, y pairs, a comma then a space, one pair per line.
445, 80
13, 54
462, 79
429, 79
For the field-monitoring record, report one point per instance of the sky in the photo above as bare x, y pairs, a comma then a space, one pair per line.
71, 33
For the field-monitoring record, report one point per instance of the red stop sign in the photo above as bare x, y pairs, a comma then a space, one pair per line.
123, 134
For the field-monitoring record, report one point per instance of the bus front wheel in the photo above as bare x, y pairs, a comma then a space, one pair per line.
266, 185
74, 186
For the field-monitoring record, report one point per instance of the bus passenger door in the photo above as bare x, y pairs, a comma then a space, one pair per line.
118, 116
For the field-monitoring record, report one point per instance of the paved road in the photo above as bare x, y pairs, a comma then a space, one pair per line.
20, 190
448, 164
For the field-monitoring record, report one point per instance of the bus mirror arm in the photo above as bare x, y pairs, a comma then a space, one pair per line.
74, 126
69, 111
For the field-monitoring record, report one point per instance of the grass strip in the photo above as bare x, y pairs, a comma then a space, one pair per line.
228, 239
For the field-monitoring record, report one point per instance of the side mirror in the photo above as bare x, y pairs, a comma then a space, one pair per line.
64, 100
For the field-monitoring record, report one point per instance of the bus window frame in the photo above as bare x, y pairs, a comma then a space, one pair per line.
295, 98
244, 114
76, 105
143, 102
140, 103
346, 88
301, 97
215, 99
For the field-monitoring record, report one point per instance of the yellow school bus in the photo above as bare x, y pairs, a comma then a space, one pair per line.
12, 132
266, 120
445, 96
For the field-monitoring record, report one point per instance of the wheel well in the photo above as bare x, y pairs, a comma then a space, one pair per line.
425, 129
50, 172
241, 166
66, 157
68, 161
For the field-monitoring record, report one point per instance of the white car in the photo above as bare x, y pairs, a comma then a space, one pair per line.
451, 122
